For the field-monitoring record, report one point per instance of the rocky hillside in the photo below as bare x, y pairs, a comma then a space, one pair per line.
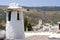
34, 14
46, 14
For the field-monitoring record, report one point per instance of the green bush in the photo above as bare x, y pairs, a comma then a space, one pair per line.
29, 27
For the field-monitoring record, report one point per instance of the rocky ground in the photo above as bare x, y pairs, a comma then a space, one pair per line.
37, 37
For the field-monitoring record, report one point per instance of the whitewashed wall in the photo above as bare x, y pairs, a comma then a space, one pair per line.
15, 28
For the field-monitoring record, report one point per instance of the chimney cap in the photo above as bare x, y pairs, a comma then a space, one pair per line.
14, 6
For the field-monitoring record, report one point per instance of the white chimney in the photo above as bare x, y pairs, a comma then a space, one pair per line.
14, 22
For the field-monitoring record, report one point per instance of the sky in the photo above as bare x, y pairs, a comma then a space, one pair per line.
32, 2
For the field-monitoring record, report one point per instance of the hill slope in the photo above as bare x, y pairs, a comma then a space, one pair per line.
34, 14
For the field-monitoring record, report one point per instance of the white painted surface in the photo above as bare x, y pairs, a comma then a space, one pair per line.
51, 35
14, 5
37, 26
55, 35
2, 33
28, 34
15, 28
46, 27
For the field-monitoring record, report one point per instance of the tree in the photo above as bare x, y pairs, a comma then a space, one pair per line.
27, 25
